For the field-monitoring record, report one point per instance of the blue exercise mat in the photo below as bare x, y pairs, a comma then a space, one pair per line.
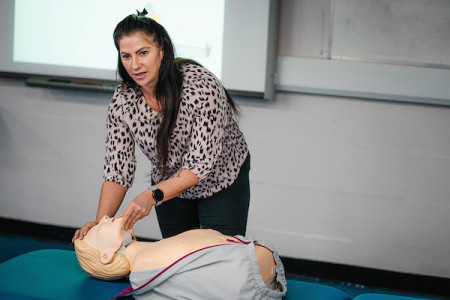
298, 289
52, 274
55, 274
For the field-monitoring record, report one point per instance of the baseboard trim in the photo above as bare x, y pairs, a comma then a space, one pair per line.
36, 230
389, 280
368, 277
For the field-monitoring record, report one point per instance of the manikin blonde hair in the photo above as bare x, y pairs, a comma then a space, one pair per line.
89, 259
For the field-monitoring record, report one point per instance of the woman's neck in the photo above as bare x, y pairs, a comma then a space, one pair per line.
150, 98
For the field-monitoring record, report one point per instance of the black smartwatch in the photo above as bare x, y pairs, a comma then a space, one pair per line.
158, 195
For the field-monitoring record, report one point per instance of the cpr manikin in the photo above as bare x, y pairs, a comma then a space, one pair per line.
197, 264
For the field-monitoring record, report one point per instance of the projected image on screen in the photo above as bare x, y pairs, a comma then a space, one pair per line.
79, 33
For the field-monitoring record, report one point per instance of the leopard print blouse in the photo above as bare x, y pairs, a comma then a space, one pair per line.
206, 139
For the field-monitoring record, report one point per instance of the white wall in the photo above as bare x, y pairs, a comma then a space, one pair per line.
354, 182
337, 180
340, 180
51, 154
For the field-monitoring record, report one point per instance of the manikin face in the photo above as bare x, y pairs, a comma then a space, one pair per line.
106, 237
141, 57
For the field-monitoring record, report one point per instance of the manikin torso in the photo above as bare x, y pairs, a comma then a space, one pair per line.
145, 256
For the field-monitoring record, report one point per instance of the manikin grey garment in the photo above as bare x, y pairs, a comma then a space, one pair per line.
217, 272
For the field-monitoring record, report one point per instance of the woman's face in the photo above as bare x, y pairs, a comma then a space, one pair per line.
141, 57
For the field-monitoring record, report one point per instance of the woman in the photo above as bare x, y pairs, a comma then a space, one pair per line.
182, 119
196, 264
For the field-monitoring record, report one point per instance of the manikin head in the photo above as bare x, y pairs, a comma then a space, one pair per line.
101, 253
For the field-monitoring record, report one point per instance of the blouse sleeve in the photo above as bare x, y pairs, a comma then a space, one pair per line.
120, 161
208, 97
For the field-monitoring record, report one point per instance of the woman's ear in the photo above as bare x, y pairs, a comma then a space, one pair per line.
107, 255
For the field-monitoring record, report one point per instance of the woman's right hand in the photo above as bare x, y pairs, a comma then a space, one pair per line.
80, 233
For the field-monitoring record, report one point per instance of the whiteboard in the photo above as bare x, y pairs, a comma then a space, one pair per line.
408, 32
66, 42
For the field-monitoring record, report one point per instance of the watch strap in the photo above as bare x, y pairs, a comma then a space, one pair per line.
154, 190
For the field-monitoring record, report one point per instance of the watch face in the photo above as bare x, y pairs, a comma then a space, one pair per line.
158, 195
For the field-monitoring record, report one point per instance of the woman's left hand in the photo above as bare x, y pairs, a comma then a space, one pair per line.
80, 233
139, 208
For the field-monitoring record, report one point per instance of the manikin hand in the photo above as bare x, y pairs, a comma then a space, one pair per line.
139, 208
80, 233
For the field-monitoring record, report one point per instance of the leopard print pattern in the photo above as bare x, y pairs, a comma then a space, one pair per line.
206, 139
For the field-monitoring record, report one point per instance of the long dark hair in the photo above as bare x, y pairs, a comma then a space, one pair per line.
170, 80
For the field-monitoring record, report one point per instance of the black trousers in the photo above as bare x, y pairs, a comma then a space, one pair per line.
226, 211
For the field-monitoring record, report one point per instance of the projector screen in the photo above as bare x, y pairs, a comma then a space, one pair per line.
234, 39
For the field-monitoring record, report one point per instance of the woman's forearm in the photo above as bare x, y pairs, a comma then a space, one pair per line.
177, 183
111, 197
142, 204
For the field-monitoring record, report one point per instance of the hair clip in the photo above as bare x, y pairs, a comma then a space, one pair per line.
142, 13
